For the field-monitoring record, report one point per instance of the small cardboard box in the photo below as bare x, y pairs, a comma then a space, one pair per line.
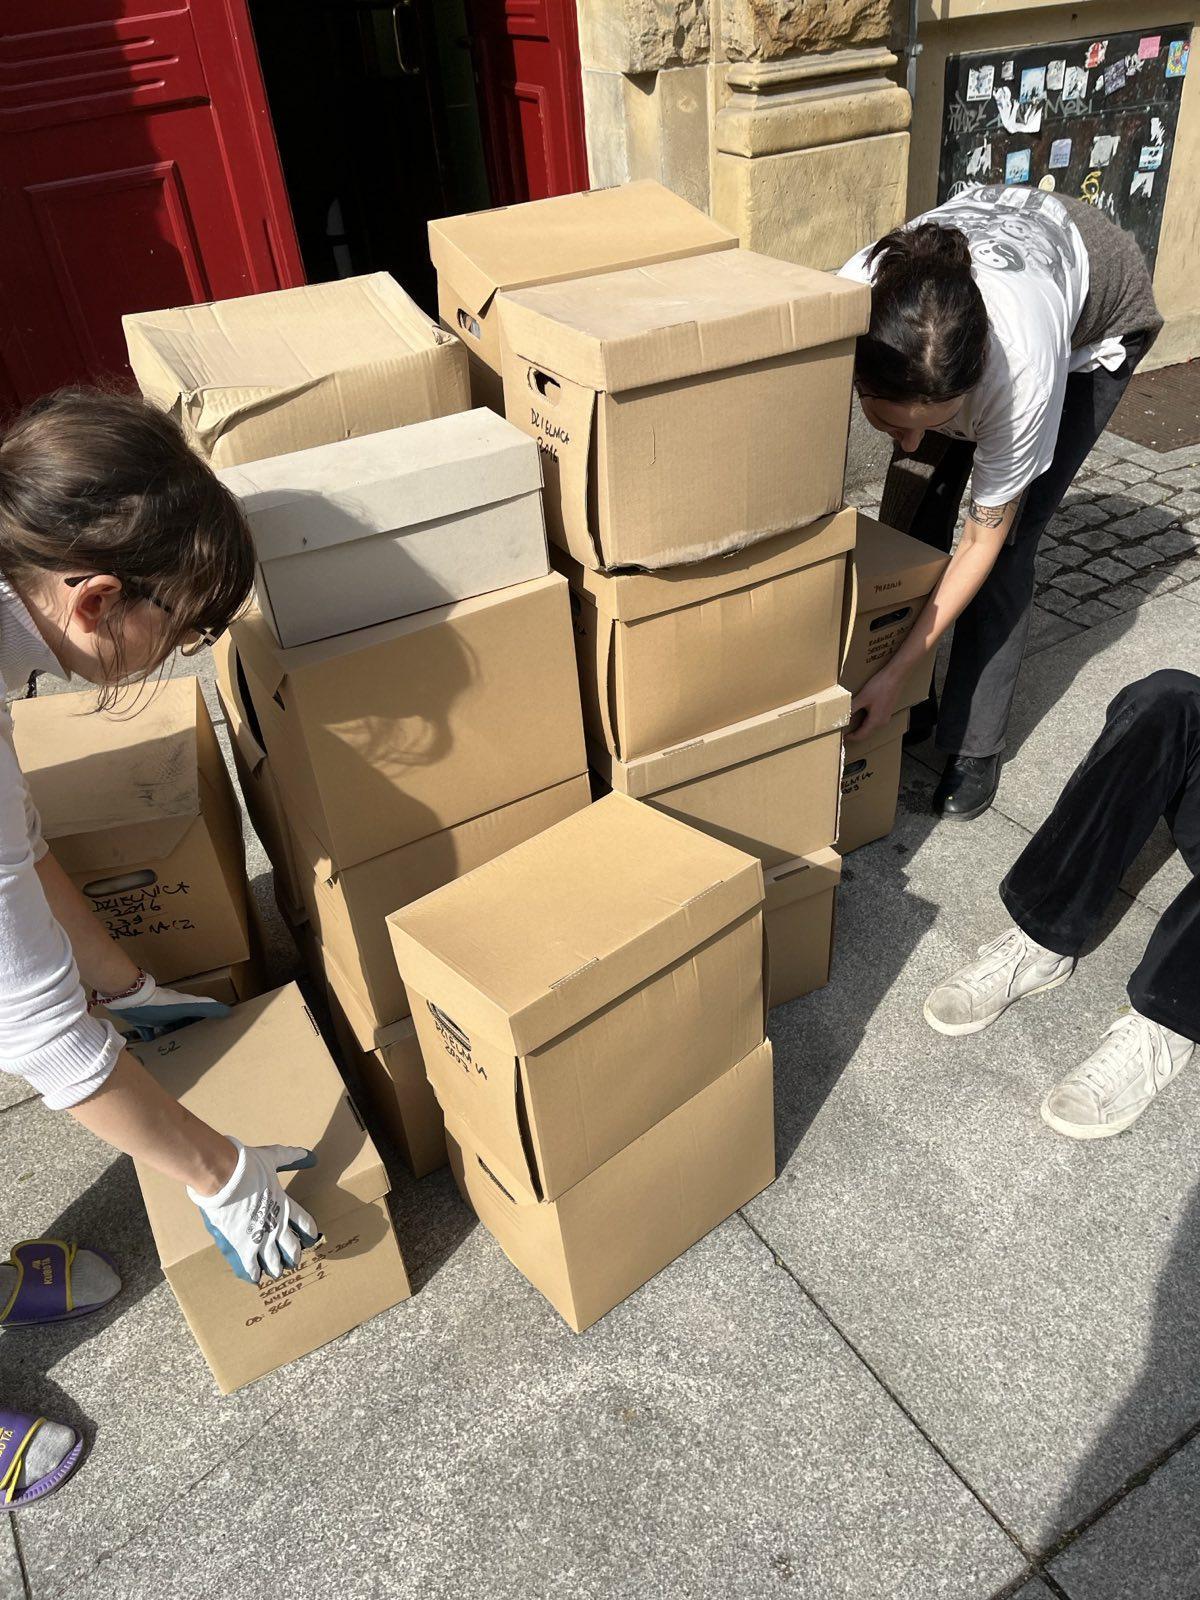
140, 812
348, 907
684, 409
871, 786
799, 916
388, 735
768, 785
392, 1074
366, 530
633, 1215
894, 575
264, 1075
269, 373
571, 993
668, 656
567, 236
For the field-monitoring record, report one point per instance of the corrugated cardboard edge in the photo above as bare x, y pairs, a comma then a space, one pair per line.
815, 873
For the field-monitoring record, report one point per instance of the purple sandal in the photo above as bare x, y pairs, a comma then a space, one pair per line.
16, 1430
43, 1291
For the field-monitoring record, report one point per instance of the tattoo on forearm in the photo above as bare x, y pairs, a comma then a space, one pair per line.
987, 516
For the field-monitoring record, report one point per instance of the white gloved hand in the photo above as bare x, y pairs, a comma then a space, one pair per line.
257, 1228
150, 1009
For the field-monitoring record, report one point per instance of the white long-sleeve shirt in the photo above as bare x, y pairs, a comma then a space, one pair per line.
46, 1034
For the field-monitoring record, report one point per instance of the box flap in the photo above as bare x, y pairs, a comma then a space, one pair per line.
535, 940
801, 879
633, 596
383, 482
891, 567
674, 319
263, 1074
727, 747
568, 236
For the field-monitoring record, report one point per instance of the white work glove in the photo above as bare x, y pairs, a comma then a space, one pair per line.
256, 1227
148, 1009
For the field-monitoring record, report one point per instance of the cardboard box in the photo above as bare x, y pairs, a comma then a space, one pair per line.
567, 236
388, 735
668, 656
268, 373
348, 907
571, 993
799, 917
871, 786
264, 803
140, 813
397, 1093
894, 575
264, 1074
365, 530
684, 409
633, 1215
768, 785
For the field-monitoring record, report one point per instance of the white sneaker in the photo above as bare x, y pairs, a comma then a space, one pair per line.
1007, 969
1109, 1092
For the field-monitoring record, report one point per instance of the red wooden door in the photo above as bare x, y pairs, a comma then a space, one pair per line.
137, 170
531, 95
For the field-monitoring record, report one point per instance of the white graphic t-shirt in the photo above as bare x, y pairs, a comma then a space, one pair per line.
1032, 270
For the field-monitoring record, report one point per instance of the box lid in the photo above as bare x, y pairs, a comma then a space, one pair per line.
802, 878
726, 747
891, 567
674, 319
858, 749
263, 1074
537, 939
568, 236
383, 482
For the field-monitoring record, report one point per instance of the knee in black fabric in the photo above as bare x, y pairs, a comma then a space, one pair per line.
1165, 695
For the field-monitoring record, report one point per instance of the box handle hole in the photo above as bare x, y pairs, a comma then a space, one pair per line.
891, 619
470, 324
121, 883
545, 385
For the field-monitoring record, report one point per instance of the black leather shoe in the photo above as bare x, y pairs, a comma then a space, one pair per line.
968, 787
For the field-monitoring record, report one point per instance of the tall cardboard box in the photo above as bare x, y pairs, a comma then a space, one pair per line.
800, 899
768, 785
269, 373
392, 734
365, 530
630, 1217
264, 1075
894, 575
572, 993
685, 409
871, 785
567, 236
668, 656
140, 813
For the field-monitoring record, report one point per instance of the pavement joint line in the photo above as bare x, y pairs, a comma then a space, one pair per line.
20, 1555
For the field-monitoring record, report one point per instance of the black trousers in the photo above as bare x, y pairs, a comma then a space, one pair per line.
1145, 765
990, 636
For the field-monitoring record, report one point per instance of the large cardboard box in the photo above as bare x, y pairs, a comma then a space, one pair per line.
633, 1215
388, 735
571, 993
684, 409
264, 1075
365, 530
665, 657
799, 916
567, 236
893, 577
269, 373
768, 785
348, 907
871, 785
140, 813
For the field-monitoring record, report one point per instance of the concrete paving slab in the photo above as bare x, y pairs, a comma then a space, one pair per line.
1026, 1297
13, 1090
1148, 1546
12, 1584
1035, 1589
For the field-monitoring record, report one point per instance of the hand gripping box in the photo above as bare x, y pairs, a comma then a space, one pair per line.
800, 915
572, 993
894, 575
484, 253
366, 530
871, 785
684, 409
264, 1075
268, 373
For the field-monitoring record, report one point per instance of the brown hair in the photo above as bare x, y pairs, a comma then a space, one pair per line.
104, 483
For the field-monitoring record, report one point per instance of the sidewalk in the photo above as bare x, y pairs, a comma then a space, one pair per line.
945, 1354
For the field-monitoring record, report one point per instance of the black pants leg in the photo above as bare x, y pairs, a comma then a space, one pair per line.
1145, 765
